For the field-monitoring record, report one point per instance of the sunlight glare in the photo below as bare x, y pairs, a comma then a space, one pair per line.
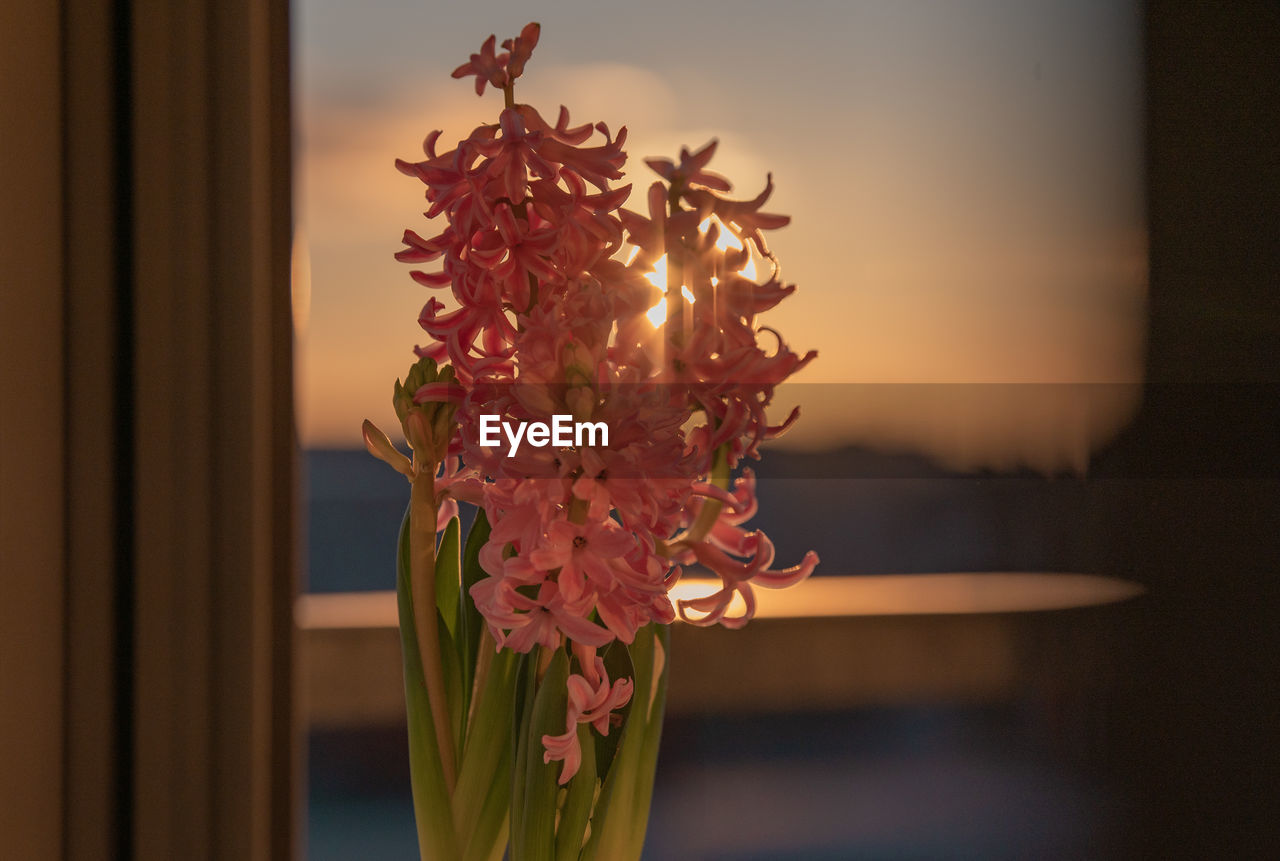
658, 277
726, 240
658, 313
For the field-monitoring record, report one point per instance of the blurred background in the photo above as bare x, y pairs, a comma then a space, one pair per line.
1046, 321
1035, 244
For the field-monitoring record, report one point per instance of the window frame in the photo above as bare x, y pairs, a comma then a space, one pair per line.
149, 457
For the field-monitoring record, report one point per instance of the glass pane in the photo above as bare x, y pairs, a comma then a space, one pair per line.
968, 237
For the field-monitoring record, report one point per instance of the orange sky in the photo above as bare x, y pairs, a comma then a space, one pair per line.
964, 180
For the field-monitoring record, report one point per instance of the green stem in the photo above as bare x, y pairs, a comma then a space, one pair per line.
431, 799
711, 506
422, 573
519, 207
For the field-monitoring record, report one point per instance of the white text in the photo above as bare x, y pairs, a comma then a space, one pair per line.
562, 432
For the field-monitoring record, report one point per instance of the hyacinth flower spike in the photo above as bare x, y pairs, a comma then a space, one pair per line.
535, 651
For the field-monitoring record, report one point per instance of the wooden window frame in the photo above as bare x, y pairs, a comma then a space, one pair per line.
149, 452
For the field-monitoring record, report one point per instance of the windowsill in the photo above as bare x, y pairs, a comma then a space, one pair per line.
831, 642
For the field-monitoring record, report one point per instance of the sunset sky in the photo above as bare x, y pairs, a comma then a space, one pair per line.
964, 181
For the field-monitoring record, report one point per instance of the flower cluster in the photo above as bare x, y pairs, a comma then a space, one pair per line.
559, 301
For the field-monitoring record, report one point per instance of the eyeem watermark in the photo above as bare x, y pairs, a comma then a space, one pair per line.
563, 431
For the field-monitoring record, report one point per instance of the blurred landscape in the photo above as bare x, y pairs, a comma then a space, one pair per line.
862, 511
914, 782
1006, 776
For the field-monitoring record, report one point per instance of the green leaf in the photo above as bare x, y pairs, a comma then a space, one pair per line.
488, 751
448, 577
536, 796
454, 668
617, 663
455, 701
431, 803
648, 759
470, 623
472, 573
487, 839
577, 805
622, 812
526, 686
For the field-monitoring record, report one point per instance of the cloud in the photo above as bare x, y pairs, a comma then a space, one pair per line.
914, 265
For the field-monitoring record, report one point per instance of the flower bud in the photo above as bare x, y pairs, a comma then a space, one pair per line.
381, 448
425, 403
